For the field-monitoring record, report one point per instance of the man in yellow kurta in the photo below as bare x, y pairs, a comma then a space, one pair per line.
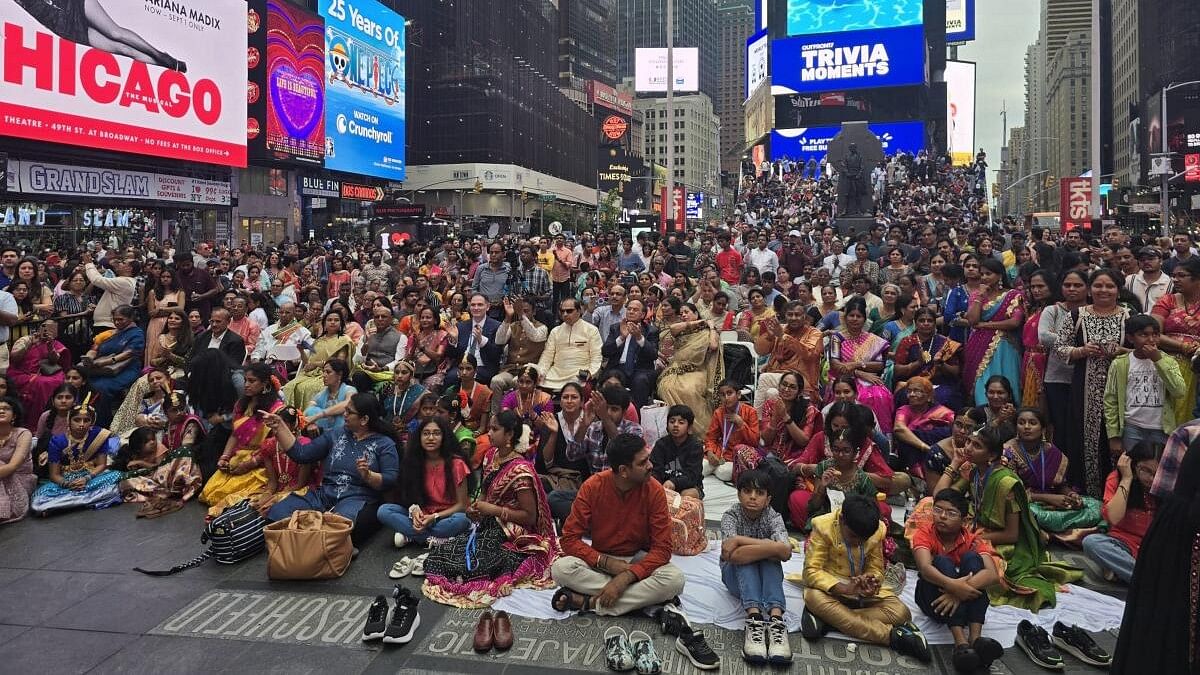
843, 574
573, 346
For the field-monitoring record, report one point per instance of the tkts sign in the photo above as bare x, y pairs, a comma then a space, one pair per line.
154, 77
1075, 203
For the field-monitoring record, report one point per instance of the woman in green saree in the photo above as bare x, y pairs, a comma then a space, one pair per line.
696, 369
1001, 512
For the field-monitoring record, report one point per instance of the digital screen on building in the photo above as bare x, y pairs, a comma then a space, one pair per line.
758, 50
960, 111
960, 20
650, 69
840, 61
802, 145
812, 17
286, 99
364, 88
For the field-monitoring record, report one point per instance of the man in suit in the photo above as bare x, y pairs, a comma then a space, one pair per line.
475, 336
631, 347
219, 337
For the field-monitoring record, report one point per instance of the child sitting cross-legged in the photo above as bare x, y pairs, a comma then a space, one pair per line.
755, 544
956, 566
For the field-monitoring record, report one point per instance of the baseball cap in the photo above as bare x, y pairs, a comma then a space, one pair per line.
794, 233
1149, 252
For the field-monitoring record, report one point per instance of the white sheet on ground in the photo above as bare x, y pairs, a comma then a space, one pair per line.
707, 601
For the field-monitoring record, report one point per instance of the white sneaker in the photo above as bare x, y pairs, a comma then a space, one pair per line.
754, 646
400, 540
779, 649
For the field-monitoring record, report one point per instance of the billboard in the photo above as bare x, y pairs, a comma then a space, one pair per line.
606, 97
613, 170
1075, 203
806, 17
858, 60
960, 20
758, 49
286, 97
650, 69
804, 144
960, 111
42, 178
694, 209
183, 97
364, 90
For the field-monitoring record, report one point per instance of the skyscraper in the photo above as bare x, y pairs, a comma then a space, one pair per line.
1068, 109
1061, 18
735, 23
587, 42
642, 23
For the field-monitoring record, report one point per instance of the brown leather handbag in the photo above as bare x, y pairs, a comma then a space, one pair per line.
309, 545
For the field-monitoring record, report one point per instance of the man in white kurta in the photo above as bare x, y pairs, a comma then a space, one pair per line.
573, 346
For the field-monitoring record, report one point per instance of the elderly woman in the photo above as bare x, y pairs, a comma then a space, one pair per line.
36, 368
115, 360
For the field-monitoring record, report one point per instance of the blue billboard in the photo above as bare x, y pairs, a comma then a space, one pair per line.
960, 21
364, 94
812, 17
839, 61
802, 145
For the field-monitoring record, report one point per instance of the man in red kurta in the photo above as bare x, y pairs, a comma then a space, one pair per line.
624, 511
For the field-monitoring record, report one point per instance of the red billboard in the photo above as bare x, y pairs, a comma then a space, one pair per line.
677, 212
168, 79
1191, 168
602, 95
1075, 203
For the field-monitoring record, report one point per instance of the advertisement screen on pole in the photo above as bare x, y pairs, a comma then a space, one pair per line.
758, 49
63, 80
364, 88
810, 17
650, 69
960, 20
960, 111
837, 61
802, 145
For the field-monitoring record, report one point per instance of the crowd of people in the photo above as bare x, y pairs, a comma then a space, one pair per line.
523, 407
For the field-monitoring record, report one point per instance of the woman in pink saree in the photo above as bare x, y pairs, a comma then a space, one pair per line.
1041, 290
37, 368
863, 354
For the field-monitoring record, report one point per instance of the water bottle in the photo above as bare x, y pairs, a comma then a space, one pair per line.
909, 506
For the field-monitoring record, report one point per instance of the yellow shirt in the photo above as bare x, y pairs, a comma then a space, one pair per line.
545, 260
826, 562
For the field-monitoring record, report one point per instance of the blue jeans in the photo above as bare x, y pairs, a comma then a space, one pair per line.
1132, 435
758, 584
969, 612
1112, 554
396, 517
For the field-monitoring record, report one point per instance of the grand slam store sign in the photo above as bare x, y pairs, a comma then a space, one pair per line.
888, 57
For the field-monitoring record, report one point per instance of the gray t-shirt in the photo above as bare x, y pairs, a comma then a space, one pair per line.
769, 525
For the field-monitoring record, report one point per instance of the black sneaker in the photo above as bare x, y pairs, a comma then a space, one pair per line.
908, 639
1036, 643
673, 621
377, 617
965, 659
988, 650
693, 646
405, 618
811, 626
1076, 642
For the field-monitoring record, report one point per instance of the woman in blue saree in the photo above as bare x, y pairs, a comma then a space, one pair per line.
115, 360
996, 314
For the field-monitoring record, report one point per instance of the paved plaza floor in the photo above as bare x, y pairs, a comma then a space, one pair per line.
70, 603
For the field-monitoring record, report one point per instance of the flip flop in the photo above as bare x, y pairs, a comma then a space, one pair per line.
418, 568
402, 568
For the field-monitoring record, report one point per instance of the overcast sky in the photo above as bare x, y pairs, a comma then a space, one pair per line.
1004, 28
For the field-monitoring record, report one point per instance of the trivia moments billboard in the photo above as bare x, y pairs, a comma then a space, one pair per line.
153, 77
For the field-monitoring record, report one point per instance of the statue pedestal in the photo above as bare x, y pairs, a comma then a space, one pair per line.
852, 226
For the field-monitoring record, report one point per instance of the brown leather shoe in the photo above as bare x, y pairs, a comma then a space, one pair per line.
485, 633
503, 632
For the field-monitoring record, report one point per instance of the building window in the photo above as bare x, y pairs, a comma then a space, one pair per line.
260, 181
262, 230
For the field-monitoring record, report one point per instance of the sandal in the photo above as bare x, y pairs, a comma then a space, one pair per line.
418, 567
402, 568
564, 600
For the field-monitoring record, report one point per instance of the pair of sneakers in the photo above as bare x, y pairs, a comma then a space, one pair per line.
1043, 649
688, 641
634, 651
403, 621
766, 641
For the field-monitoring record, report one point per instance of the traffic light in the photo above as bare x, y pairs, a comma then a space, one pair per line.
524, 196
1116, 183
1029, 203
478, 187
995, 189
1050, 181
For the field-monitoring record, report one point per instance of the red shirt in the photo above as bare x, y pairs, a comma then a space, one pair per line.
968, 541
729, 264
435, 486
644, 523
1133, 526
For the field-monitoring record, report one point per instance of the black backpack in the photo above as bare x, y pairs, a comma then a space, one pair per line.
233, 536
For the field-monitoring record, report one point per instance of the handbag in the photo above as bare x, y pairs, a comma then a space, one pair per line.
563, 479
687, 524
309, 545
233, 536
654, 422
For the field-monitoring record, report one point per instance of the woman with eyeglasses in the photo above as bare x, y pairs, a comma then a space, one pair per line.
1178, 315
433, 488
